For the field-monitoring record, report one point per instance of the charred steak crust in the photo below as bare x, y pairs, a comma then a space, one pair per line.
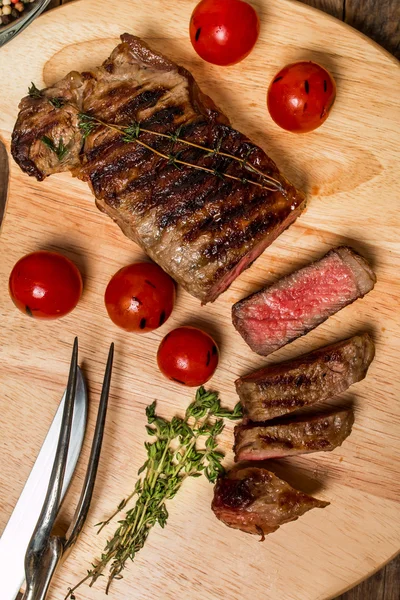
37, 118
257, 501
320, 433
200, 229
282, 388
299, 302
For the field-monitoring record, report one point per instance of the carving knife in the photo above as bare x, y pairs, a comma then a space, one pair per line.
20, 527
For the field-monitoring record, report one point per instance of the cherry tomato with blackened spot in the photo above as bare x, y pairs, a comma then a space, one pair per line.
140, 297
224, 32
45, 285
301, 96
188, 356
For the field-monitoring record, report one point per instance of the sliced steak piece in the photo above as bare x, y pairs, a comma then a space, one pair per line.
256, 501
285, 387
289, 438
277, 315
201, 228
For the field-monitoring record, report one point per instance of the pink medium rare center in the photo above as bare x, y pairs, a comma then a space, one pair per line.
311, 294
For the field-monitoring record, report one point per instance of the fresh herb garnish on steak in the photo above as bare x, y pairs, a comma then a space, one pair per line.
56, 102
61, 150
200, 198
183, 447
88, 123
130, 134
34, 92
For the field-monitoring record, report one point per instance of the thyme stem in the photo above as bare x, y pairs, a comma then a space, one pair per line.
171, 459
131, 135
275, 184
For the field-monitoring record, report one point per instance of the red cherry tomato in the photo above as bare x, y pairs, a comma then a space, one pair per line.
140, 297
188, 355
224, 32
45, 285
300, 96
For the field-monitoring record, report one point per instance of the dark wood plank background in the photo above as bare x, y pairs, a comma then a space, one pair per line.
380, 20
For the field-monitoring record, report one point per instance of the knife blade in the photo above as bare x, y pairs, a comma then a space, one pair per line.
3, 180
20, 527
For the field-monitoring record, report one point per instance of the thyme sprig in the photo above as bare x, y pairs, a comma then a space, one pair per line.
33, 91
56, 102
60, 150
131, 133
183, 447
88, 123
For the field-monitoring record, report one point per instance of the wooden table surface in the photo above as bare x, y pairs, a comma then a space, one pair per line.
380, 20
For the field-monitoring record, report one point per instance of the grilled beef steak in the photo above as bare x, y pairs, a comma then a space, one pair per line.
277, 315
298, 436
256, 501
201, 228
282, 388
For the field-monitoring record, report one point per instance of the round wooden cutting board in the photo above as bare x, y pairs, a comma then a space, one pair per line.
348, 168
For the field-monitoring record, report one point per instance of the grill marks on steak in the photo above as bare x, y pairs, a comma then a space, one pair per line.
277, 315
38, 118
252, 499
202, 230
256, 501
292, 437
314, 377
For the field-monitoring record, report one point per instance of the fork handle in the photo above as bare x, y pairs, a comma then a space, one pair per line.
40, 568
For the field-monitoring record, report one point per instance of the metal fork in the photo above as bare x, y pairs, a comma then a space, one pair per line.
45, 550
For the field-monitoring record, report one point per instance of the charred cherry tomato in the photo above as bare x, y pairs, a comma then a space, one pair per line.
300, 96
45, 285
140, 297
224, 32
188, 355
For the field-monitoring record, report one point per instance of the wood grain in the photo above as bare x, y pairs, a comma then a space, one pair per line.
371, 589
349, 175
384, 585
379, 20
332, 7
392, 580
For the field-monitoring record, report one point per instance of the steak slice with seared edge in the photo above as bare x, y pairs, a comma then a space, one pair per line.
289, 438
285, 387
288, 309
200, 226
257, 501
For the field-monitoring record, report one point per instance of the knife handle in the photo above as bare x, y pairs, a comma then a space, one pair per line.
40, 568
